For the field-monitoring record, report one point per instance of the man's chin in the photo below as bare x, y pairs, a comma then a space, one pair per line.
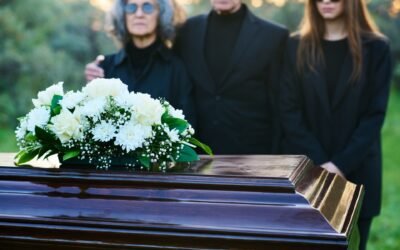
223, 9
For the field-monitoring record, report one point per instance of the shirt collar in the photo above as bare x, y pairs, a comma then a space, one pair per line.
163, 51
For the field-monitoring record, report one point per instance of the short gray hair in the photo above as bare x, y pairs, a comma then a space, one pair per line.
165, 28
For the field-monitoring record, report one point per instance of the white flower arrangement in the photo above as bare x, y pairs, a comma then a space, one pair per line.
102, 122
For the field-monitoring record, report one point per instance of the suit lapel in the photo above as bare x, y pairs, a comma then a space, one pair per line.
203, 72
247, 33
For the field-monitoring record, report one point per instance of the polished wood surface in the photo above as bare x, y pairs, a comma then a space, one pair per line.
225, 202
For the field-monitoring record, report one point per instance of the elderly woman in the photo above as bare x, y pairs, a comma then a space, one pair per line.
145, 63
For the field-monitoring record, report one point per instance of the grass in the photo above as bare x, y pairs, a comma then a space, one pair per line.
385, 232
7, 140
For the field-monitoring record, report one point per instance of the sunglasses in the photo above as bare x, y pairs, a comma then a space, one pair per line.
147, 8
333, 1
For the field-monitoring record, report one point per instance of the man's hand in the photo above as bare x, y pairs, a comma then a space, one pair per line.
332, 168
93, 71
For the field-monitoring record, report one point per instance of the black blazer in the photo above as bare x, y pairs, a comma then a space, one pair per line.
348, 131
164, 77
236, 115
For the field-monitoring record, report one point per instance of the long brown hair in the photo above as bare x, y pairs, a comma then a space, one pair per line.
312, 29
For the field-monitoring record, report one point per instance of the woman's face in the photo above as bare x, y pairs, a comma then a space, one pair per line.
330, 9
141, 17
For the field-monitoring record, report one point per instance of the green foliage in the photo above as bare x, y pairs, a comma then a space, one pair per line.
201, 145
145, 161
71, 154
8, 142
396, 76
48, 146
187, 155
26, 155
46, 138
174, 123
385, 232
43, 42
55, 107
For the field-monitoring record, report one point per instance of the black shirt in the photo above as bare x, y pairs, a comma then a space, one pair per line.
140, 57
334, 53
222, 33
161, 74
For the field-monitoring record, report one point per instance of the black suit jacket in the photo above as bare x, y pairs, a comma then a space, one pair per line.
164, 77
348, 131
238, 114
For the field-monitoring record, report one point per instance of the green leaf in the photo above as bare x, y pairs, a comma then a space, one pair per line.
27, 156
175, 123
30, 137
45, 137
201, 145
71, 154
187, 154
55, 107
56, 110
18, 155
55, 100
145, 161
49, 153
43, 151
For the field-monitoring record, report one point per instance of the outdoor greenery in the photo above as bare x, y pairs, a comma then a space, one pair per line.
43, 42
46, 41
385, 234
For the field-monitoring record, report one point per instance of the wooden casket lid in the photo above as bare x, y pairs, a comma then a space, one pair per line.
227, 202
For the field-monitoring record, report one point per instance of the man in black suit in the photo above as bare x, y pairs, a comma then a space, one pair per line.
234, 59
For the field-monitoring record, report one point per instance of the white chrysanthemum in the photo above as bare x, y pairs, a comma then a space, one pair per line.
66, 126
105, 87
177, 113
146, 110
93, 108
83, 120
37, 117
132, 136
45, 97
172, 134
104, 131
125, 100
71, 99
20, 132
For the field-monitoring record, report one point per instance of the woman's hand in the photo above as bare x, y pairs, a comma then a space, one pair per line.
332, 168
93, 70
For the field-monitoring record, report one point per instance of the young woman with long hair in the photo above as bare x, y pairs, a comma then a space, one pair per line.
334, 95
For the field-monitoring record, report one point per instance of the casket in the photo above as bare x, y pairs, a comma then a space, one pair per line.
224, 202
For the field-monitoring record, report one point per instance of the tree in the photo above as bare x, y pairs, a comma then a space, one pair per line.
43, 42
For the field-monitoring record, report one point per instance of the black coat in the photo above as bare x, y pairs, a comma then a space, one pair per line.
348, 131
238, 116
165, 76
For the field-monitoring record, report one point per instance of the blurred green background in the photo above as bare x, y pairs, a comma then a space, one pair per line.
46, 41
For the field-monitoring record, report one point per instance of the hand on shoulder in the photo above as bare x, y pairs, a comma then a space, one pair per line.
93, 70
